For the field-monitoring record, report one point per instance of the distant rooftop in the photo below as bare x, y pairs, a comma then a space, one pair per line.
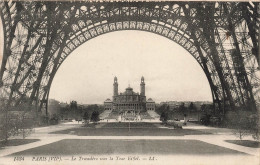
107, 101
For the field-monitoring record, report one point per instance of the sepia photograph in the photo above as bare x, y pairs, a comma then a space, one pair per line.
129, 82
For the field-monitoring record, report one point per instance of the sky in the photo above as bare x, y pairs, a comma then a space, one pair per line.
170, 72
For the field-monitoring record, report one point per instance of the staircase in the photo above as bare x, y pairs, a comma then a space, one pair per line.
113, 115
153, 114
105, 114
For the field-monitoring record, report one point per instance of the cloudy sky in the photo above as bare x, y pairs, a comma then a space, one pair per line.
170, 72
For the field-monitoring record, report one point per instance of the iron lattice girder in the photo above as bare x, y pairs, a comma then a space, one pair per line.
51, 35
202, 58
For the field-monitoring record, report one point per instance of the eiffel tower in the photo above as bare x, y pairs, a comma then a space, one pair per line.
223, 37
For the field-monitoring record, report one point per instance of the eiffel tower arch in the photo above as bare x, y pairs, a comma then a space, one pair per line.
223, 37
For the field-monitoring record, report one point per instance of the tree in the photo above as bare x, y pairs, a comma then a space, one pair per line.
243, 123
16, 120
161, 108
191, 106
205, 119
207, 108
185, 119
203, 107
78, 114
64, 110
73, 105
54, 119
24, 123
182, 107
95, 117
75, 111
164, 117
8, 126
86, 117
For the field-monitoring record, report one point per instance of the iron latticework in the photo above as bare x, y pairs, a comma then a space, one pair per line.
223, 37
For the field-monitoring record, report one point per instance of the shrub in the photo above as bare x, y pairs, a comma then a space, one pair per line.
243, 122
164, 117
16, 123
205, 119
86, 118
175, 124
43, 120
95, 117
54, 119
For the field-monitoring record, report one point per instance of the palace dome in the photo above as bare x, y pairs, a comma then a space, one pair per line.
107, 101
150, 100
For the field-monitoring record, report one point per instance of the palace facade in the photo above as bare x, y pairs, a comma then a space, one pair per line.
129, 101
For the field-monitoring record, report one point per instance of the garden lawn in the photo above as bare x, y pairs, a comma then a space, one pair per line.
132, 147
246, 143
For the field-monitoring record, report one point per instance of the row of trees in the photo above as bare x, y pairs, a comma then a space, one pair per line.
179, 112
22, 118
74, 111
181, 107
242, 121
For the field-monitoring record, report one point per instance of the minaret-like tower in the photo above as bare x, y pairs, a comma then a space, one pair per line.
115, 87
142, 86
